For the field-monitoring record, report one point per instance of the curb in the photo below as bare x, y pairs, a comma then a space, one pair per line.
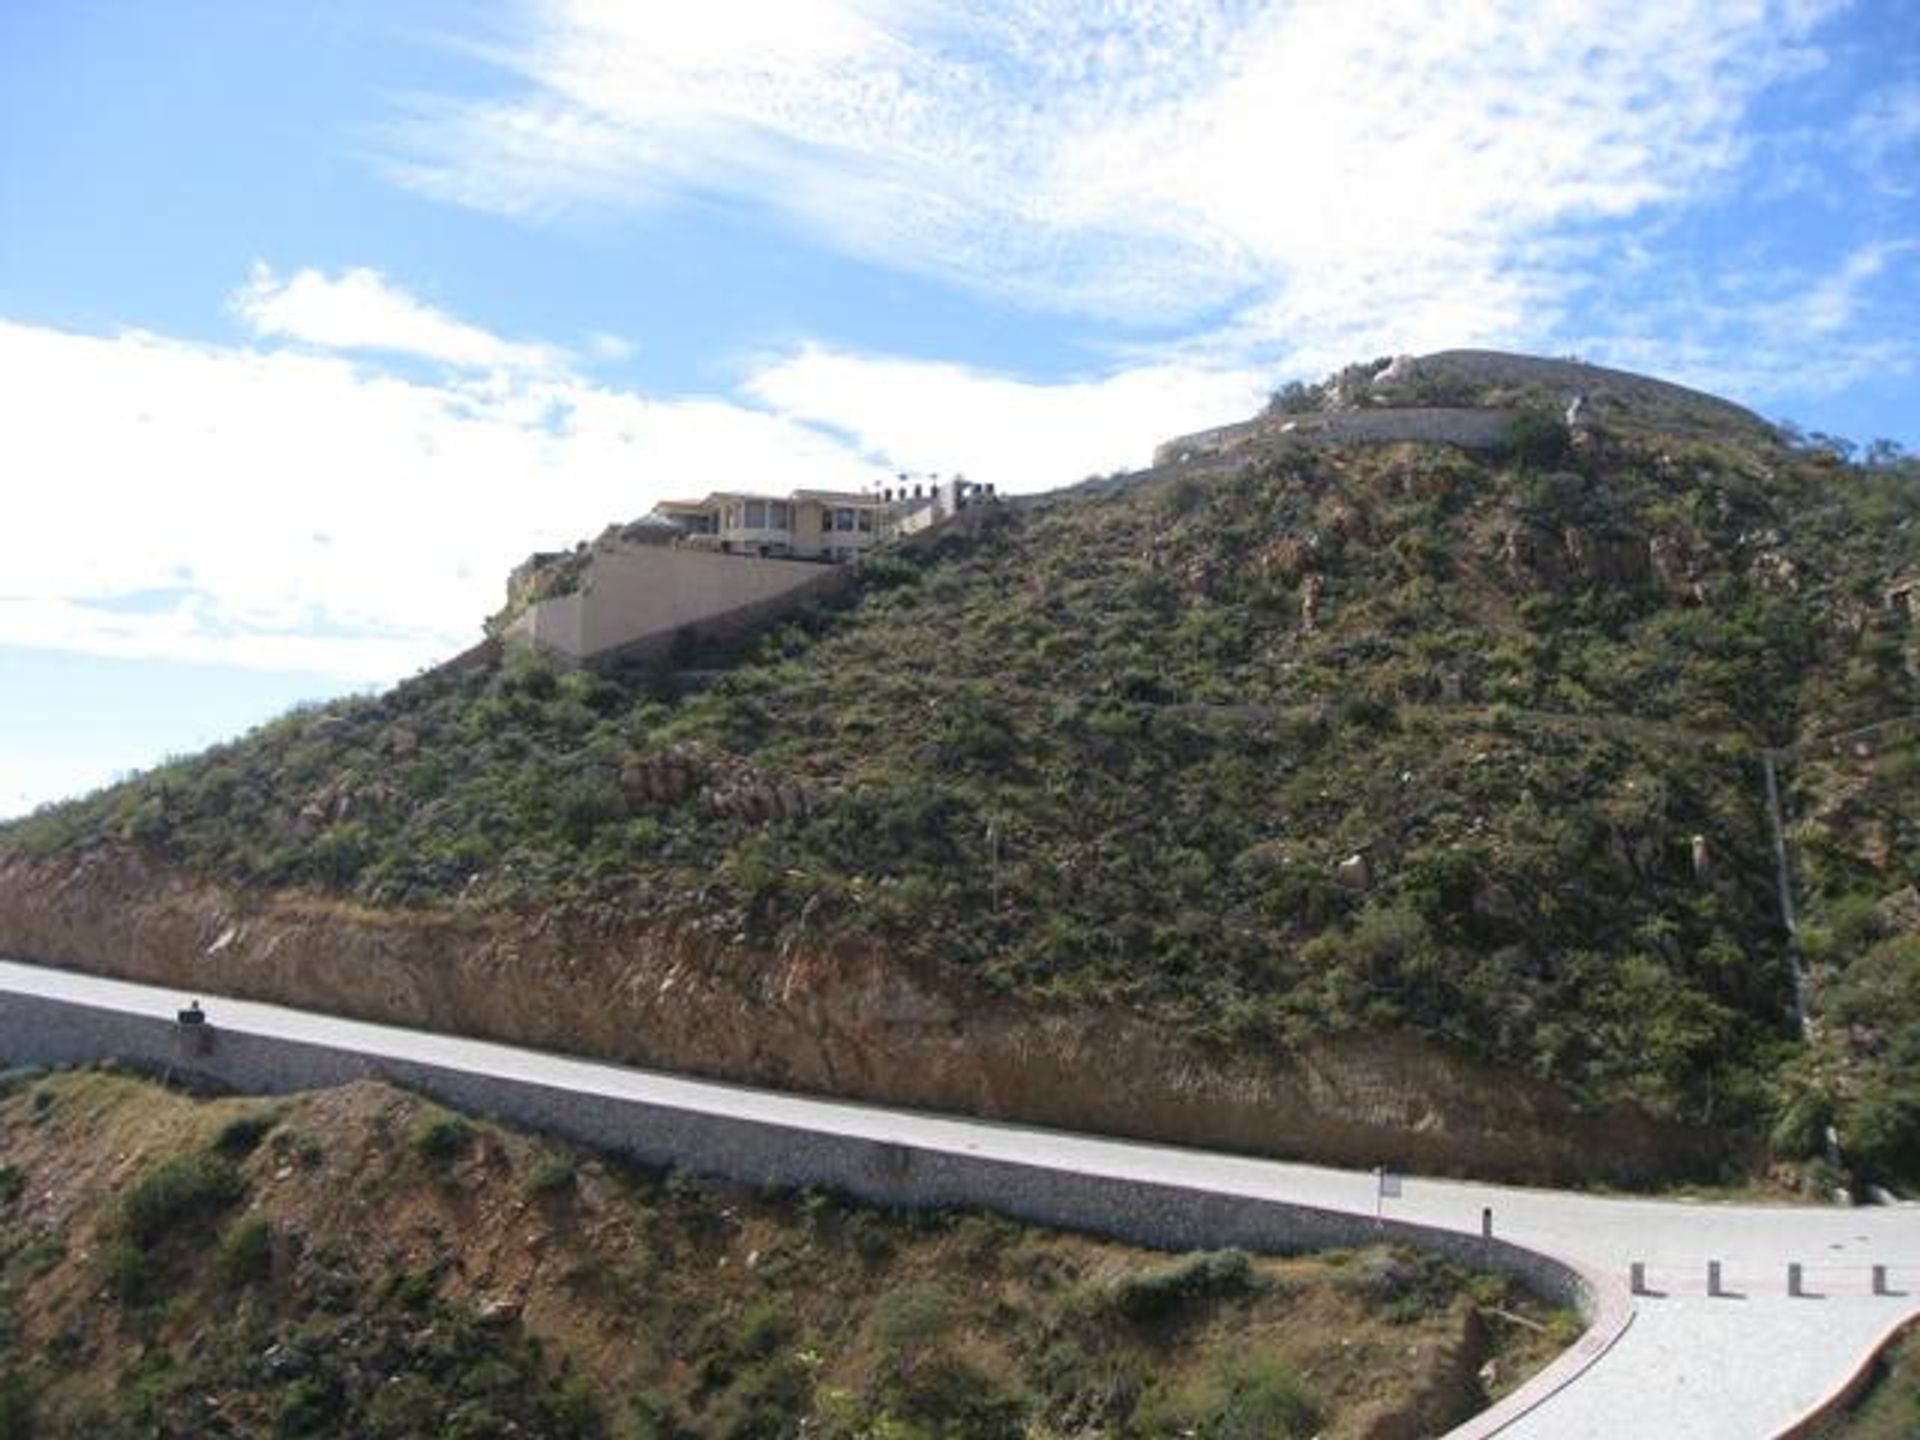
1850, 1389
1612, 1316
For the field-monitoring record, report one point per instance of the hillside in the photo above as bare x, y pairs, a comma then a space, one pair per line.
1388, 802
361, 1262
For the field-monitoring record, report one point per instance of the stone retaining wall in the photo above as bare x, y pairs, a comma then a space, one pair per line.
45, 1031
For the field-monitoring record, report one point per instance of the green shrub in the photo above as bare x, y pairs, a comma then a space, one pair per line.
552, 1175
178, 1194
18, 1077
1880, 1133
442, 1139
40, 1254
1251, 1398
911, 1320
1159, 1292
130, 1276
241, 1136
17, 1406
945, 1395
246, 1252
1538, 439
315, 1406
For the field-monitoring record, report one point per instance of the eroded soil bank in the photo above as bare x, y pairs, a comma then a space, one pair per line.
850, 1021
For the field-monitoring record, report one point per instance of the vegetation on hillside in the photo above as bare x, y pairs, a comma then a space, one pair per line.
360, 1262
1344, 740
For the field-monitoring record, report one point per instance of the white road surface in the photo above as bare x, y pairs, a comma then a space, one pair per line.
1743, 1365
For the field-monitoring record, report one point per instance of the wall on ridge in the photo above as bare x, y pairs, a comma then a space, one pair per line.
1471, 429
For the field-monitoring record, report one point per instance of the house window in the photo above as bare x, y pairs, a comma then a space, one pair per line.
843, 519
756, 514
866, 522
780, 516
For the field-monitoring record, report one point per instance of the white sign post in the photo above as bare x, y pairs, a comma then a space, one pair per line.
1386, 1187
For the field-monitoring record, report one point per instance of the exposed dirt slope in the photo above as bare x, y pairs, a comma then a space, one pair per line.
851, 1021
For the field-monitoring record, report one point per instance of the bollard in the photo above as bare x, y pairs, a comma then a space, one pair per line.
1713, 1278
1638, 1278
1880, 1281
1486, 1222
1795, 1275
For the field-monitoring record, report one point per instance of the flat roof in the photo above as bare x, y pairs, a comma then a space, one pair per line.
835, 497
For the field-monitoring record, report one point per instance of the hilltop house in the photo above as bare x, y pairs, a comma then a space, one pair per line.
805, 525
719, 566
811, 524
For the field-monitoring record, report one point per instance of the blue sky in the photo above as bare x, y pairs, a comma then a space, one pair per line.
314, 319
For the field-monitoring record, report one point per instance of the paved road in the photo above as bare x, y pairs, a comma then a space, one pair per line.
1690, 1366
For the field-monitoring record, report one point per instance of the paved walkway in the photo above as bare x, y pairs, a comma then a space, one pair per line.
1689, 1366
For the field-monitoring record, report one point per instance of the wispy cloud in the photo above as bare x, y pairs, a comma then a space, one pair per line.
277, 508
1022, 435
1399, 167
1883, 137
270, 506
1769, 334
360, 309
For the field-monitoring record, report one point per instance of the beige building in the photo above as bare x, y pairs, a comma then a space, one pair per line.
718, 566
805, 525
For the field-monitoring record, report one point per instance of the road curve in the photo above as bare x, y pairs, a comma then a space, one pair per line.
1744, 1364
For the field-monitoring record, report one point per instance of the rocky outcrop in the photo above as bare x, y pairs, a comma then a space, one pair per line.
722, 786
847, 1020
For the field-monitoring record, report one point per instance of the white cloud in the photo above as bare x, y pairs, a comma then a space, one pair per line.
1833, 301
361, 310
1768, 336
278, 508
296, 511
615, 348
1378, 168
1883, 137
1022, 436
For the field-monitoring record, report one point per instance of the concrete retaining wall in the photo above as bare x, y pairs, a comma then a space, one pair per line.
633, 600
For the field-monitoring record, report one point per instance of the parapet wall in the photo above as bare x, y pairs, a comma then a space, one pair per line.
1471, 429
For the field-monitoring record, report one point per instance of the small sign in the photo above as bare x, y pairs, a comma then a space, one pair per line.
1389, 1184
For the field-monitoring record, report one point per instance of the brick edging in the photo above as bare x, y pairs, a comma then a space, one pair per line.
1850, 1389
